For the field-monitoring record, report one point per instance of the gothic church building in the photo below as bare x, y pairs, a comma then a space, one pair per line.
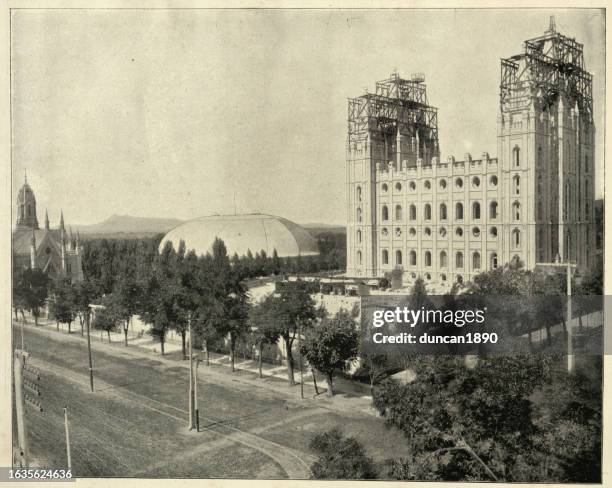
53, 251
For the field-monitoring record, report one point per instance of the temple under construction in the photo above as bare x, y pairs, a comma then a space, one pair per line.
447, 220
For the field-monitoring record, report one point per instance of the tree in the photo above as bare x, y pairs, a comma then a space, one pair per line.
83, 293
107, 318
467, 424
340, 457
19, 295
227, 300
33, 288
62, 303
330, 345
264, 330
126, 295
291, 310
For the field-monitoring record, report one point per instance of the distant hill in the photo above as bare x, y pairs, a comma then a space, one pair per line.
126, 224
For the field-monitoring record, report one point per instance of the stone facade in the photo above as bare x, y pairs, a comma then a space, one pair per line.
446, 221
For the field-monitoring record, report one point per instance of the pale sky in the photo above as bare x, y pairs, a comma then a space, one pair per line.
168, 113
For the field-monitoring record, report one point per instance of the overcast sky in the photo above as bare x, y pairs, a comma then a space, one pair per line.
169, 113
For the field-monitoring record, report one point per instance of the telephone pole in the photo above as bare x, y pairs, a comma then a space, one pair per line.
191, 379
22, 436
570, 346
300, 360
87, 320
67, 438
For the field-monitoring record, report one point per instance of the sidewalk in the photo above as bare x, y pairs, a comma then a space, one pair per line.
348, 397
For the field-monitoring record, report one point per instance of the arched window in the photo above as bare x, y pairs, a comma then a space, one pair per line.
443, 259
29, 211
358, 257
385, 213
516, 157
516, 211
412, 212
427, 211
459, 211
427, 258
516, 183
442, 211
493, 231
476, 260
475, 210
459, 260
358, 214
413, 258
385, 256
493, 210
398, 212
358, 193
398, 258
493, 260
398, 186
516, 238
358, 237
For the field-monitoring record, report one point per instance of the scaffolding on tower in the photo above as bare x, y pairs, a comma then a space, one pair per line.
553, 64
397, 103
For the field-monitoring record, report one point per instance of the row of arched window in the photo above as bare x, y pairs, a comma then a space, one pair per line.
427, 258
443, 211
427, 232
476, 259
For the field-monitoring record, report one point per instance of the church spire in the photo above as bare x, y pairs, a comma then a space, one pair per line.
46, 220
26, 207
62, 221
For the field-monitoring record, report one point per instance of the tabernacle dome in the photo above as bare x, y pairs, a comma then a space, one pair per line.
243, 232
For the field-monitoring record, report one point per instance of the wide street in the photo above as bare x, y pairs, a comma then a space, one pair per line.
135, 423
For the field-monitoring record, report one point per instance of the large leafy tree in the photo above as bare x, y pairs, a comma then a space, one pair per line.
340, 457
263, 327
329, 346
227, 300
62, 303
292, 310
107, 318
32, 289
467, 423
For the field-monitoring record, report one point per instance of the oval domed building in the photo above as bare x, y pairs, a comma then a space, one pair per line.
242, 233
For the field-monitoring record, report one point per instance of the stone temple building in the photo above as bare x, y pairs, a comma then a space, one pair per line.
53, 251
447, 220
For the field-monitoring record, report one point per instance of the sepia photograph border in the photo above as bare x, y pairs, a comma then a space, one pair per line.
7, 217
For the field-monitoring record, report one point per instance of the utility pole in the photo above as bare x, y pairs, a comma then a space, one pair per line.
570, 346
67, 438
19, 362
300, 357
197, 412
87, 320
191, 378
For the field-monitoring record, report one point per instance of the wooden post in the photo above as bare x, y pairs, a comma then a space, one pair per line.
87, 320
67, 438
22, 435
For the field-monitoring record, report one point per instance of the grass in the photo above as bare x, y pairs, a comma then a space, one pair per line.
135, 423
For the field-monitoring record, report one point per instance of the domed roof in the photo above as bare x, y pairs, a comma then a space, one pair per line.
243, 232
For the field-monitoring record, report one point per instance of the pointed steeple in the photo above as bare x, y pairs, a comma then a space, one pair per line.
46, 220
62, 220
